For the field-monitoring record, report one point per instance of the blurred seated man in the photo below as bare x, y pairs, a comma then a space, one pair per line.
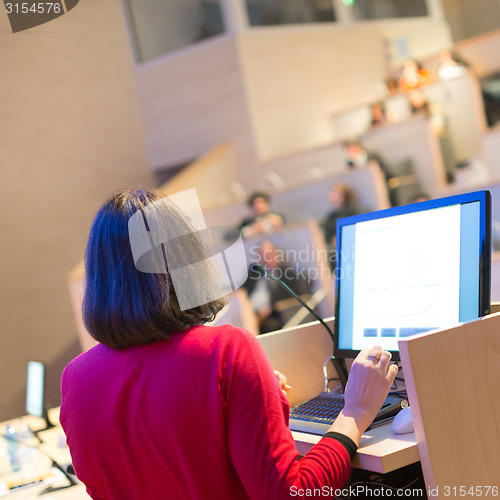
396, 105
263, 220
451, 65
268, 298
378, 114
343, 203
421, 196
356, 155
415, 77
420, 104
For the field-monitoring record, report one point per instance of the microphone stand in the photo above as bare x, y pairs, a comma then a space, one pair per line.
59, 467
338, 363
48, 425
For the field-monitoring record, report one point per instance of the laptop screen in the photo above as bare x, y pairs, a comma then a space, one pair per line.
410, 269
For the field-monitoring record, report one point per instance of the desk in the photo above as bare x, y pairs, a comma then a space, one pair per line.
380, 450
456, 420
53, 446
299, 353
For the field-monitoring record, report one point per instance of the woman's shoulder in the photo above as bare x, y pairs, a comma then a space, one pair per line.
227, 333
221, 342
196, 337
86, 360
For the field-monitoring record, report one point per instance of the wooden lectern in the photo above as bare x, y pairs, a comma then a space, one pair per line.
453, 382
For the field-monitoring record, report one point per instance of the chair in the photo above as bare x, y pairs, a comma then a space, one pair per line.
403, 185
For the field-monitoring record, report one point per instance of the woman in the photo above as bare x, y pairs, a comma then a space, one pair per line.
165, 407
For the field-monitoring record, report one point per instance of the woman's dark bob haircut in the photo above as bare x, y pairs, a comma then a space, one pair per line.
123, 306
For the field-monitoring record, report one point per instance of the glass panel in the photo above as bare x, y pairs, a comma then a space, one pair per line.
386, 9
160, 26
272, 12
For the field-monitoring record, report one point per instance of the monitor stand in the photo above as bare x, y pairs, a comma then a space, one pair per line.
495, 307
48, 425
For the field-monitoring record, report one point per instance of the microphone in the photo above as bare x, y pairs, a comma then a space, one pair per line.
338, 364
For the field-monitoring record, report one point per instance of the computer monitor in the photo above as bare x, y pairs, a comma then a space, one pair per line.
410, 269
35, 388
35, 392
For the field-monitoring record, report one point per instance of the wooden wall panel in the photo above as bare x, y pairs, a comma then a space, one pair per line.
482, 52
296, 78
70, 135
453, 380
271, 92
212, 175
193, 100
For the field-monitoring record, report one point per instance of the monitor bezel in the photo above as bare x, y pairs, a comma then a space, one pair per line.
484, 199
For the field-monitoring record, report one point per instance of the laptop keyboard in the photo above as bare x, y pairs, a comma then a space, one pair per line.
316, 415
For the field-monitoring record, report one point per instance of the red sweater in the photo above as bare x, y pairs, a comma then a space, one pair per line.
199, 416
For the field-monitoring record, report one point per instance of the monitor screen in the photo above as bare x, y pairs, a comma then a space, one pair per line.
35, 388
410, 269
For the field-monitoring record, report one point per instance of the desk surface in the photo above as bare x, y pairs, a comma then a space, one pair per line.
380, 449
299, 353
53, 446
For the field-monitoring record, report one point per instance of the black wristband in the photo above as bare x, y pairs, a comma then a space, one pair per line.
347, 442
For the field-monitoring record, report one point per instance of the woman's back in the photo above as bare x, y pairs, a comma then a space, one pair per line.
200, 415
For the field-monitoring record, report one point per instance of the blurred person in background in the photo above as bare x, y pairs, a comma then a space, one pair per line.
263, 221
415, 77
271, 303
343, 203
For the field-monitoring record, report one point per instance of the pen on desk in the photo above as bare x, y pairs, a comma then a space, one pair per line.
378, 423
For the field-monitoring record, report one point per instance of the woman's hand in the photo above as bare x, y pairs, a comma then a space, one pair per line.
370, 379
282, 380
